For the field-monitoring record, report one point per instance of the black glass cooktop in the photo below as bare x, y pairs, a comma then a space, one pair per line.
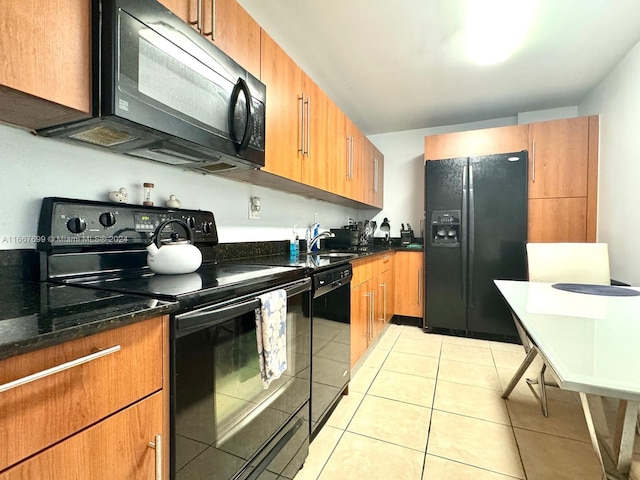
210, 283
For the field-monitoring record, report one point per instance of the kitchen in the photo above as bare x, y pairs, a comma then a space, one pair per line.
35, 167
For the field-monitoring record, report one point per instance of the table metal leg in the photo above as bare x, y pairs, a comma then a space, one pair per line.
614, 455
520, 372
625, 434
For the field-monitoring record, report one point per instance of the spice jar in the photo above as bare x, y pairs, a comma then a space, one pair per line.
148, 187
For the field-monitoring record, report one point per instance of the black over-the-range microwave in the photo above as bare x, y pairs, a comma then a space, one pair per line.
163, 92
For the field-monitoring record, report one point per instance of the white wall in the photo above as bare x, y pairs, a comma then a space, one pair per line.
617, 100
35, 167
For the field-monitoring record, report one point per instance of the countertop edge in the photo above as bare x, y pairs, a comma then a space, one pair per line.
100, 324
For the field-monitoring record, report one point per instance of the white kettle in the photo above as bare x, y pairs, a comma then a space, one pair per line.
176, 255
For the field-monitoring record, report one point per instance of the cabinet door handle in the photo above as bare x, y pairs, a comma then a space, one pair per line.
375, 175
157, 445
533, 162
301, 100
212, 18
367, 296
384, 302
373, 313
419, 282
58, 368
198, 22
308, 118
351, 157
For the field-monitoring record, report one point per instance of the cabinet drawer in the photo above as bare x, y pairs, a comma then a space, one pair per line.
385, 262
362, 271
37, 414
116, 448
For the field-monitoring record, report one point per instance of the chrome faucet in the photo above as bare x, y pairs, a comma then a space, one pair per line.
317, 238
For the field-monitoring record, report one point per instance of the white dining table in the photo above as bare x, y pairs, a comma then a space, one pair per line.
591, 345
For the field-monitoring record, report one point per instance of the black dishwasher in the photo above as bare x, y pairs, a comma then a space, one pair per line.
331, 341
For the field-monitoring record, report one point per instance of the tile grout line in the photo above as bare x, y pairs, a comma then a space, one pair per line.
513, 430
344, 430
433, 401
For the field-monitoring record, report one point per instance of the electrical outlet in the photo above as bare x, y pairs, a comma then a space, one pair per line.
254, 208
316, 217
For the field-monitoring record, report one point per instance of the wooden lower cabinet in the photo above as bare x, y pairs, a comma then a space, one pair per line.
360, 321
371, 301
116, 449
124, 368
409, 281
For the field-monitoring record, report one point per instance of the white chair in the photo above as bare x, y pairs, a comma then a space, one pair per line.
563, 263
569, 263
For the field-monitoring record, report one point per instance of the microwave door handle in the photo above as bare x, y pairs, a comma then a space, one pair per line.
241, 85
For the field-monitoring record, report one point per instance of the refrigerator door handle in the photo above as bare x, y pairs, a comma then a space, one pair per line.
471, 232
464, 233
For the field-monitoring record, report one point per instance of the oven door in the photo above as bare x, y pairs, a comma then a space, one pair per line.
224, 422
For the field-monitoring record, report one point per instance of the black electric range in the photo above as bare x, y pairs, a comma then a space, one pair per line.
223, 419
101, 245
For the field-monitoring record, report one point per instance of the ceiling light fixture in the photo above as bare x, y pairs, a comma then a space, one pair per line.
496, 28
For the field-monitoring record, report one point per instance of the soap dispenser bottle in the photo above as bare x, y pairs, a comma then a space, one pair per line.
293, 243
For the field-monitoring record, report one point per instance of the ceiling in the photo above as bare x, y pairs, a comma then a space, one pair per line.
403, 64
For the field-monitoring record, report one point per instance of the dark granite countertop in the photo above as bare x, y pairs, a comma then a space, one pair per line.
36, 315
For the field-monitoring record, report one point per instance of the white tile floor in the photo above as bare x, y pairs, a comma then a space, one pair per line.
429, 407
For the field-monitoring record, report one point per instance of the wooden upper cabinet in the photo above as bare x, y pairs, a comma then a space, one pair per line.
375, 187
558, 220
558, 158
227, 25
185, 9
317, 147
356, 184
337, 149
469, 143
283, 79
45, 72
235, 32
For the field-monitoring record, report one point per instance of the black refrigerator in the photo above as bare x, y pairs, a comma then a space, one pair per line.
475, 232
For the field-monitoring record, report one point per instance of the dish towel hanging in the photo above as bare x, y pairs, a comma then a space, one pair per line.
271, 335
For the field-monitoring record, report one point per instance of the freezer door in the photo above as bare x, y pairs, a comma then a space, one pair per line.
445, 263
497, 239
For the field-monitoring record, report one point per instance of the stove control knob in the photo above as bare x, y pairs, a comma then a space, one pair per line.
206, 227
191, 221
77, 225
107, 219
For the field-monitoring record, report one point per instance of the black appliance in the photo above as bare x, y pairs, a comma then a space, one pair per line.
163, 92
406, 235
476, 216
224, 424
343, 238
331, 341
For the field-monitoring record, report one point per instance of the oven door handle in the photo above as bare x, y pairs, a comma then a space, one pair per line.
213, 315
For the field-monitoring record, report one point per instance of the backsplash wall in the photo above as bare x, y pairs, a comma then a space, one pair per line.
34, 167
